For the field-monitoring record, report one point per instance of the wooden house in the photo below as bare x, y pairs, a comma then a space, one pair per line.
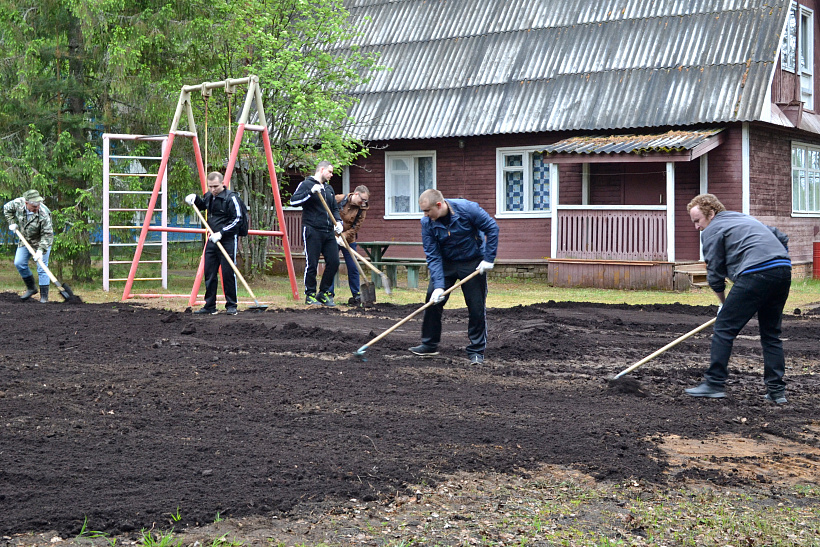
585, 127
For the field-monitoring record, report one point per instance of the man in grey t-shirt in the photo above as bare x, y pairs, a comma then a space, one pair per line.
756, 258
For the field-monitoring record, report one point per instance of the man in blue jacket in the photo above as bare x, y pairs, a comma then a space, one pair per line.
459, 237
756, 258
319, 232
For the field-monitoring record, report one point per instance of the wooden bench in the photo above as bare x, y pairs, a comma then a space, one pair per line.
390, 268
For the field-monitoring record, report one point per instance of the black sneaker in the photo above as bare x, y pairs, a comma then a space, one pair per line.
325, 299
231, 311
778, 398
476, 359
423, 350
311, 300
206, 311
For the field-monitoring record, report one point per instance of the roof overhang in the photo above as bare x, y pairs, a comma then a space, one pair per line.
670, 146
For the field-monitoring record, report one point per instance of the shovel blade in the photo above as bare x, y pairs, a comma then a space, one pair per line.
368, 294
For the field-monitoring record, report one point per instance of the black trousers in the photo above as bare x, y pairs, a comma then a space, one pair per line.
764, 293
320, 243
214, 259
475, 296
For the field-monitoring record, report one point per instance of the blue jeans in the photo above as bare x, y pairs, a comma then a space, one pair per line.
352, 271
21, 258
765, 294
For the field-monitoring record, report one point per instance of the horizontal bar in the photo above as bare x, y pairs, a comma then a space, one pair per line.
134, 158
132, 175
131, 262
258, 128
156, 209
129, 137
216, 85
185, 133
132, 191
138, 279
134, 244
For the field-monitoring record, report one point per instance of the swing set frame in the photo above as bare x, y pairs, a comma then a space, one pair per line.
184, 106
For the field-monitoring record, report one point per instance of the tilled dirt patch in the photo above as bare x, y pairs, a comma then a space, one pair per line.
124, 414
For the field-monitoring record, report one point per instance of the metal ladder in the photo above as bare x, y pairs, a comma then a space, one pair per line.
107, 209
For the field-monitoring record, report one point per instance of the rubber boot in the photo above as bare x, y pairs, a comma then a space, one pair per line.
43, 293
31, 288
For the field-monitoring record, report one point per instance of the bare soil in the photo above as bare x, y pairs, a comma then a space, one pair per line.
125, 414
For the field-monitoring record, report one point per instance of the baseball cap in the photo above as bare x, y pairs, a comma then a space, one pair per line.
33, 197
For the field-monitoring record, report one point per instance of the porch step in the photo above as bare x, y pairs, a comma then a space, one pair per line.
696, 272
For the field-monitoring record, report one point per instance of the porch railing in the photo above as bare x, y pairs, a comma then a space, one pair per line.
612, 234
293, 227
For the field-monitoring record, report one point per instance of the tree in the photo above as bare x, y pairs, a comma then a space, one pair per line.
73, 69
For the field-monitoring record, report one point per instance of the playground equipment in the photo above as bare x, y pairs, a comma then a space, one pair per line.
184, 106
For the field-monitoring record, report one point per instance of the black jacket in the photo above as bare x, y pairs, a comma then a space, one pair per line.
224, 212
313, 213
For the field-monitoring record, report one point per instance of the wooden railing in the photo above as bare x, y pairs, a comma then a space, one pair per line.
612, 234
293, 227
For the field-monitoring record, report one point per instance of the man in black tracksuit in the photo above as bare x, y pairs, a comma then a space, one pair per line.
756, 258
224, 218
319, 232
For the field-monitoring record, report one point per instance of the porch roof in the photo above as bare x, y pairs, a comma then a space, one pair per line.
670, 146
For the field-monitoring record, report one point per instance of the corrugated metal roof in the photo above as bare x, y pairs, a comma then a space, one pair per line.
671, 141
478, 67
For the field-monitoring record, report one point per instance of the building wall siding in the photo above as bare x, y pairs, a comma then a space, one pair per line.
687, 186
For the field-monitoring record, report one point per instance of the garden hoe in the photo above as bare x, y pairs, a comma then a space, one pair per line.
671, 344
257, 307
360, 352
367, 289
65, 290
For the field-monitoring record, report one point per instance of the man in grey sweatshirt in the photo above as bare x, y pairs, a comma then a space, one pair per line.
756, 258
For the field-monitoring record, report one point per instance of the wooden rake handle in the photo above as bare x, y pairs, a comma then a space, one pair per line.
424, 307
224, 252
671, 344
40, 261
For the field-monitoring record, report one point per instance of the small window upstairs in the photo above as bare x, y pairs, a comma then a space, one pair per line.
797, 50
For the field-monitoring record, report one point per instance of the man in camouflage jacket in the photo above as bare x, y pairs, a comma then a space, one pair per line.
29, 216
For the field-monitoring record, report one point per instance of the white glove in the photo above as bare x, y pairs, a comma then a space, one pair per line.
190, 199
13, 227
216, 236
340, 241
317, 188
484, 266
339, 228
38, 255
437, 296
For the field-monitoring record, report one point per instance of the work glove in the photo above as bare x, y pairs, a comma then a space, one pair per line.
190, 199
339, 228
484, 266
38, 254
437, 297
317, 188
13, 227
216, 236
340, 241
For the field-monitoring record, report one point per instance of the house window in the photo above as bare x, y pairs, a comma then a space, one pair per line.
408, 174
523, 183
805, 179
797, 50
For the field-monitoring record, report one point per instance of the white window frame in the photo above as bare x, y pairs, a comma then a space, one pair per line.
413, 155
500, 184
789, 37
808, 198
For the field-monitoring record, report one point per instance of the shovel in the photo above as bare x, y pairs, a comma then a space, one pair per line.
368, 290
65, 290
360, 352
257, 306
671, 344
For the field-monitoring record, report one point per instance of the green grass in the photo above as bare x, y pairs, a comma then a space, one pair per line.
503, 292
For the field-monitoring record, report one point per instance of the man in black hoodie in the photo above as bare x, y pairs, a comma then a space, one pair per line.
224, 218
319, 232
